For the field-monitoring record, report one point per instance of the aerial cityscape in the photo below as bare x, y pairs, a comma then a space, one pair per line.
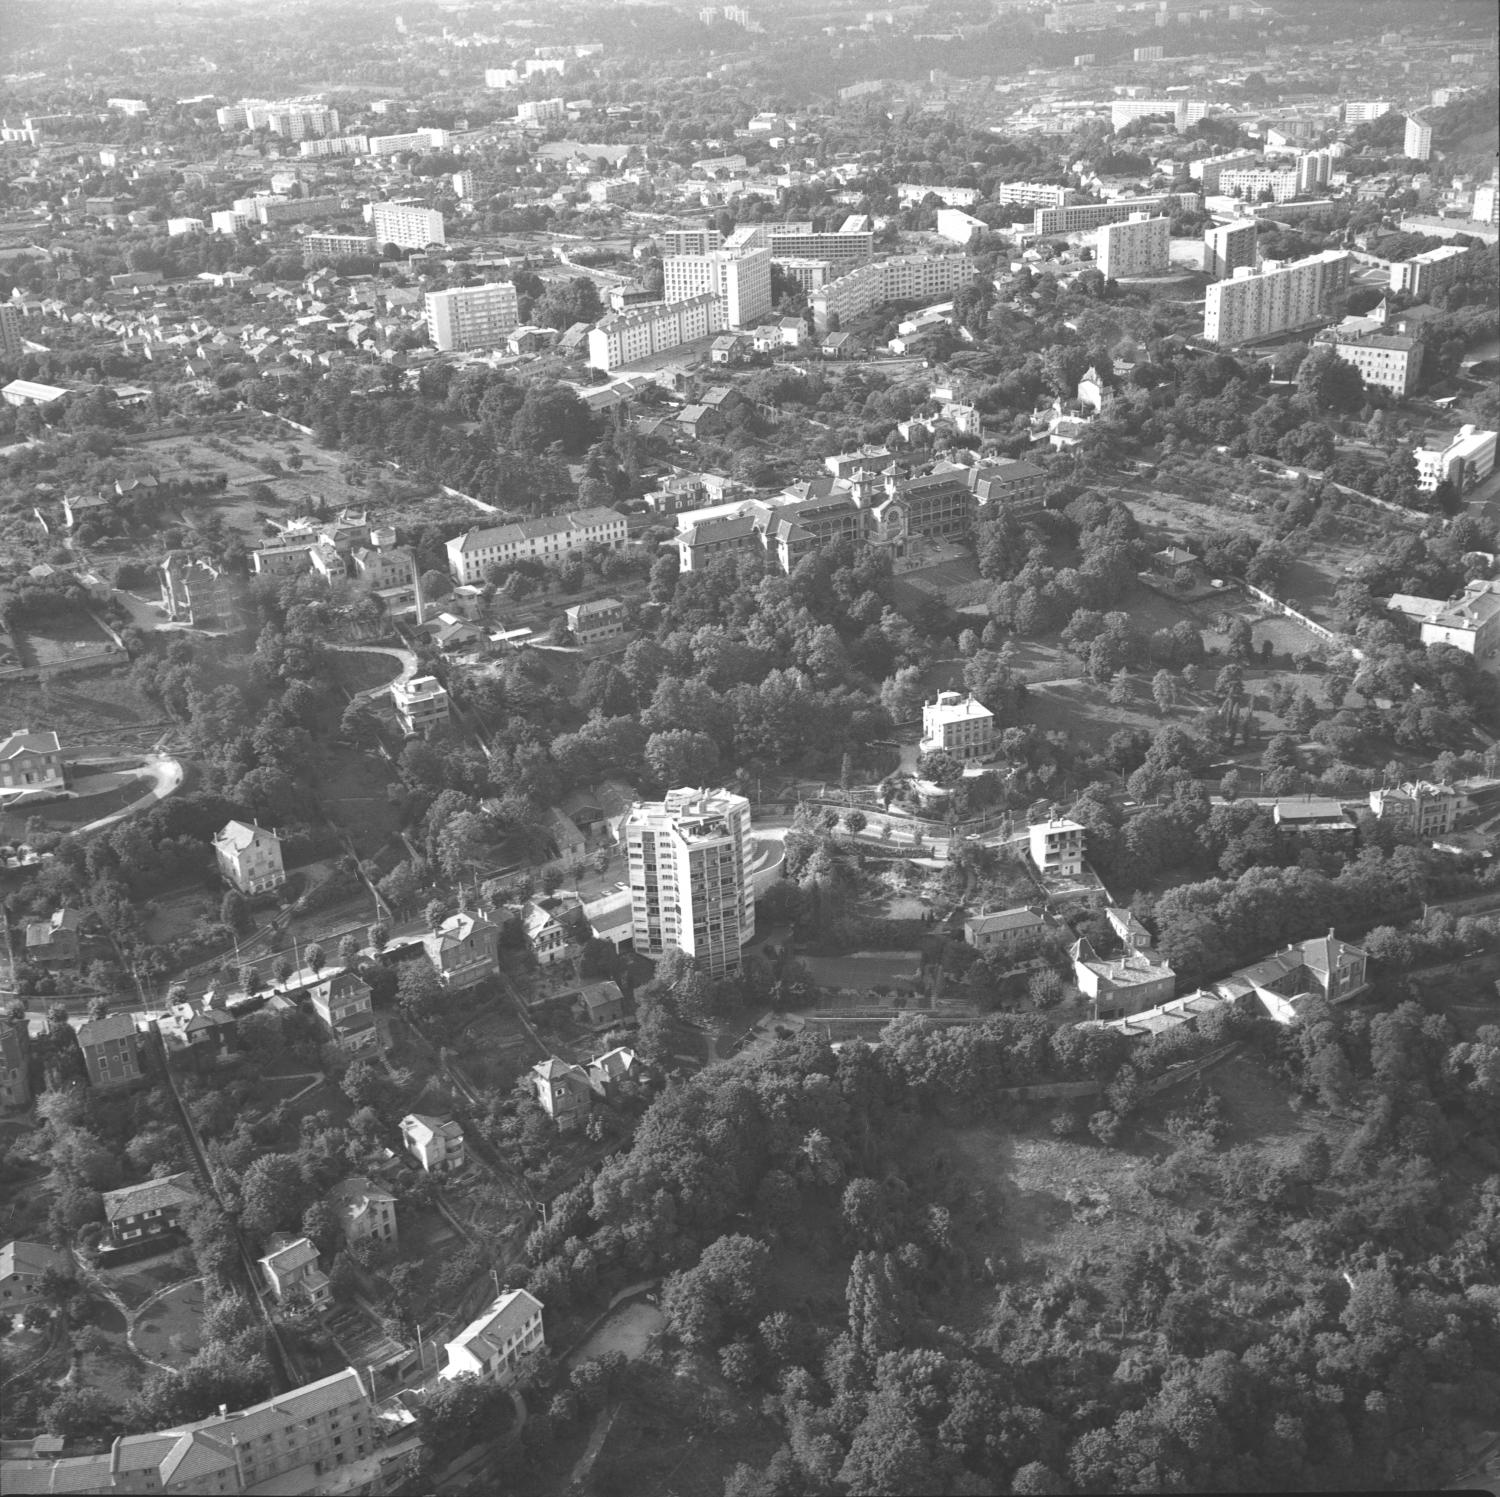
749, 750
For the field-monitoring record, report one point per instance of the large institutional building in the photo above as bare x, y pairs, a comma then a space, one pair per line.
1273, 299
471, 316
738, 279
471, 555
690, 884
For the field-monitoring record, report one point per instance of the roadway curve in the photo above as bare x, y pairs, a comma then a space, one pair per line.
167, 774
407, 659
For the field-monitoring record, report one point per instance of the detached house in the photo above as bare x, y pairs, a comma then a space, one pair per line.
342, 1003
150, 1209
31, 761
366, 1212
547, 938
112, 1050
249, 857
22, 1265
494, 1346
437, 1144
563, 1091
291, 1263
463, 950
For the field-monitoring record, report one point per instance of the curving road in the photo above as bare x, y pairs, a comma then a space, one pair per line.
407, 658
167, 774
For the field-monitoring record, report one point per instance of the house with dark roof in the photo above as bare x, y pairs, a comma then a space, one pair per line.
563, 1091
292, 1263
1005, 928
1304, 814
494, 1346
22, 1265
437, 1144
113, 1050
463, 949
149, 1209
53, 942
31, 761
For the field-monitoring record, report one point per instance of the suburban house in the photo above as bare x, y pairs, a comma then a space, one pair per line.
31, 761
249, 857
494, 1346
1121, 985
366, 1212
601, 1005
1133, 935
591, 623
958, 725
563, 832
1418, 807
197, 1035
1004, 928
463, 950
149, 1209
563, 1090
1322, 967
1057, 847
22, 1265
437, 1144
53, 942
112, 1050
544, 933
342, 1003
421, 704
292, 1263
621, 1064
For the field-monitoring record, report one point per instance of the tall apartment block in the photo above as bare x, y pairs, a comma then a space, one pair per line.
1078, 218
1486, 209
1141, 246
10, 332
739, 279
324, 249
1428, 272
1229, 247
303, 122
696, 241
335, 145
1033, 194
1314, 168
471, 316
901, 278
1418, 146
426, 139
1147, 54
1361, 112
1257, 303
1185, 113
690, 883
406, 226
541, 112
1207, 169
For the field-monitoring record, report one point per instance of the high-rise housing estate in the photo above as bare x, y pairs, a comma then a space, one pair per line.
1141, 246
1033, 194
1228, 247
1184, 113
10, 331
1486, 209
739, 279
691, 241
1147, 54
302, 121
1077, 218
335, 145
638, 332
1314, 168
471, 316
690, 882
323, 249
541, 112
1418, 145
803, 241
427, 139
1428, 272
1207, 168
463, 184
1361, 112
1257, 303
900, 278
406, 225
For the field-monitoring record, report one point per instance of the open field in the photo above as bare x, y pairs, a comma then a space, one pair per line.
104, 704
627, 1330
171, 1330
62, 814
59, 641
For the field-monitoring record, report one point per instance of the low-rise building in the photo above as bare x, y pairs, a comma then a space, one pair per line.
1004, 929
1310, 813
1010, 483
563, 1091
494, 1347
592, 623
959, 726
113, 1050
473, 554
1132, 934
421, 704
1467, 459
1121, 985
544, 934
194, 591
31, 761
249, 857
22, 1265
1389, 362
151, 1209
292, 1263
1057, 847
601, 1005
53, 942
463, 950
343, 1005
437, 1144
1418, 807
367, 1212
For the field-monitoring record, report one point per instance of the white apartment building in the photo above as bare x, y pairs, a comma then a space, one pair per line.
542, 112
1249, 182
471, 316
227, 221
1141, 246
1077, 218
1468, 458
690, 241
319, 248
740, 280
12, 345
958, 227
1184, 113
690, 881
463, 184
951, 197
638, 332
1257, 303
471, 555
426, 139
1314, 168
1147, 54
493, 1347
1057, 847
406, 225
1486, 209
1034, 195
1208, 169
958, 725
502, 77
1361, 112
1425, 809
335, 145
1228, 247
1418, 143
1428, 272
302, 121
901, 278
421, 704
249, 857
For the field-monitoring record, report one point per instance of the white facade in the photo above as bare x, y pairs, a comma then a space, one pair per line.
1362, 112
1258, 303
638, 332
249, 856
335, 145
957, 226
471, 555
1426, 273
421, 703
1209, 169
1468, 458
960, 725
406, 226
1184, 113
1141, 246
1418, 143
426, 139
471, 316
690, 882
1077, 218
542, 112
739, 279
1033, 194
901, 278
493, 1347
1230, 247
1057, 847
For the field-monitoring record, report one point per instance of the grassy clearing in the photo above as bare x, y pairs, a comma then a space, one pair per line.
171, 1330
